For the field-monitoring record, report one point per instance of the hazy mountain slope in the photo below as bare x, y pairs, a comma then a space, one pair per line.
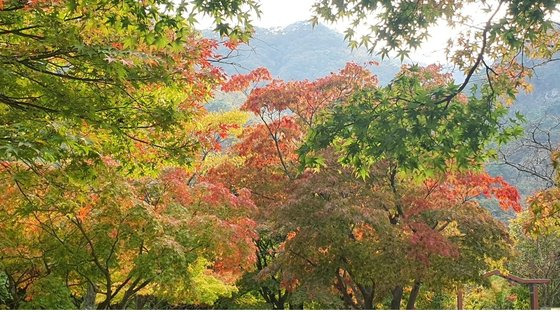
541, 108
296, 52
300, 51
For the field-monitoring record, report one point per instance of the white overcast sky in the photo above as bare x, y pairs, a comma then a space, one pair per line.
281, 13
278, 13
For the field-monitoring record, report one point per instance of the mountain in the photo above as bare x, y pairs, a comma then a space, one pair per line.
301, 51
296, 52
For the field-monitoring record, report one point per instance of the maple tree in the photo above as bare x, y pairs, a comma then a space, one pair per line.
500, 42
359, 239
109, 240
123, 73
285, 110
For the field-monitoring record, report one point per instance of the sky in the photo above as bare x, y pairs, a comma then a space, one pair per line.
281, 13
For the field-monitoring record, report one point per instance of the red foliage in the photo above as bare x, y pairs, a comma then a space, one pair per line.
305, 98
176, 180
426, 241
258, 143
233, 261
242, 82
459, 188
217, 194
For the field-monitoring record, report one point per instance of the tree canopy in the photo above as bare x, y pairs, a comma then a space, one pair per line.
119, 189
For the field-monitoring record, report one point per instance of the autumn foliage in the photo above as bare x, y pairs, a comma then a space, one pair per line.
336, 191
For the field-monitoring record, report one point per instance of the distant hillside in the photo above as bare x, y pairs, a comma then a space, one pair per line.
300, 51
541, 108
296, 52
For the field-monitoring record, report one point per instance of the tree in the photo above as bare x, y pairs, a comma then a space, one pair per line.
108, 240
510, 32
286, 111
372, 244
85, 79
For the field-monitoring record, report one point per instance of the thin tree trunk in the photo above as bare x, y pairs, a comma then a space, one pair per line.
368, 301
368, 293
88, 302
397, 297
413, 295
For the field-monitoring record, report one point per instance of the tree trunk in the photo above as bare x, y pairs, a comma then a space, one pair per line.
278, 305
413, 295
368, 301
88, 302
397, 297
368, 293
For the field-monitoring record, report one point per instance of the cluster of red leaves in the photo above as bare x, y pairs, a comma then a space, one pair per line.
267, 184
456, 189
473, 184
232, 44
240, 252
276, 96
449, 193
242, 82
261, 150
303, 98
426, 242
212, 194
177, 180
195, 64
217, 194
212, 139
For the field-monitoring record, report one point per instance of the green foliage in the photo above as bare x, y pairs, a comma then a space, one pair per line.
437, 300
499, 295
251, 300
204, 288
403, 26
49, 293
81, 79
405, 123
5, 296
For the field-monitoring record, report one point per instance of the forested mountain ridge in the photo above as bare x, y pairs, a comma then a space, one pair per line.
300, 51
